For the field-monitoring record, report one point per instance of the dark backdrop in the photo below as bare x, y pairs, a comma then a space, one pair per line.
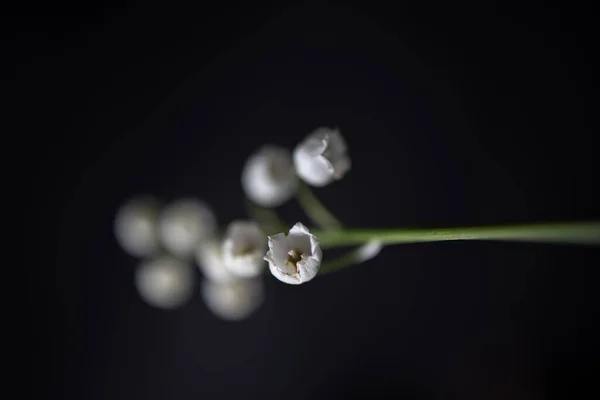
458, 117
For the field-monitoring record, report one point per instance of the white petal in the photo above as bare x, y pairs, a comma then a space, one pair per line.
278, 249
321, 157
298, 239
268, 177
184, 225
292, 279
210, 262
136, 227
368, 250
313, 169
243, 248
233, 300
165, 282
308, 267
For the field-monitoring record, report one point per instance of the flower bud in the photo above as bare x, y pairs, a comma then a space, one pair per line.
322, 157
268, 177
136, 227
233, 300
165, 282
243, 248
184, 225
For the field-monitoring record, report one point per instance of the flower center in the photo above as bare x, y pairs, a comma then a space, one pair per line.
292, 259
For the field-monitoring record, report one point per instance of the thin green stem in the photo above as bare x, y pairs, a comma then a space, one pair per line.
584, 233
315, 210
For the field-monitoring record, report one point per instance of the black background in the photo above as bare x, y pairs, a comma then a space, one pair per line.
455, 117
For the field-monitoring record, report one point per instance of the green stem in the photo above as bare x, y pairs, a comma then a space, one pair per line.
315, 210
585, 233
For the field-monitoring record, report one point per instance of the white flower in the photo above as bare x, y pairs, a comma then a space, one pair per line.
295, 258
184, 225
136, 226
210, 261
368, 250
268, 177
233, 300
321, 157
243, 248
165, 282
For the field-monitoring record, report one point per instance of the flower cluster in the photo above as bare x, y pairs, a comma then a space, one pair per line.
232, 264
169, 239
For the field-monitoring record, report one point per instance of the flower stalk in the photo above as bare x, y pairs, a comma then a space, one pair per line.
581, 233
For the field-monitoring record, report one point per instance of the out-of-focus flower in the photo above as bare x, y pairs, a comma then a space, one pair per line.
268, 177
233, 300
184, 225
136, 226
368, 251
165, 282
209, 258
243, 248
322, 157
295, 258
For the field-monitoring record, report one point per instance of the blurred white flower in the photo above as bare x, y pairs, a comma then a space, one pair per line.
165, 282
136, 226
295, 258
209, 258
233, 300
243, 248
321, 157
184, 225
368, 250
268, 177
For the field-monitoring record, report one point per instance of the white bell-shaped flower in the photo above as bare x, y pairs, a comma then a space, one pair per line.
243, 248
184, 225
233, 300
209, 258
136, 226
268, 177
295, 258
165, 282
322, 157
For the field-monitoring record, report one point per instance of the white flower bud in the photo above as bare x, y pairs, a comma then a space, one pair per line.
268, 177
210, 261
165, 282
243, 248
136, 227
321, 157
184, 225
233, 300
295, 258
368, 250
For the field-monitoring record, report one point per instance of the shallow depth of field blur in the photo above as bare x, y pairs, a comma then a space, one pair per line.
447, 124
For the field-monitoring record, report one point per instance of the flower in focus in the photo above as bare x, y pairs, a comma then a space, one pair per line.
243, 248
233, 300
183, 225
209, 258
295, 258
268, 177
136, 226
368, 250
165, 282
321, 157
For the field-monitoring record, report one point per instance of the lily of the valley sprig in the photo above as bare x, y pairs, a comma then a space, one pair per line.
168, 239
